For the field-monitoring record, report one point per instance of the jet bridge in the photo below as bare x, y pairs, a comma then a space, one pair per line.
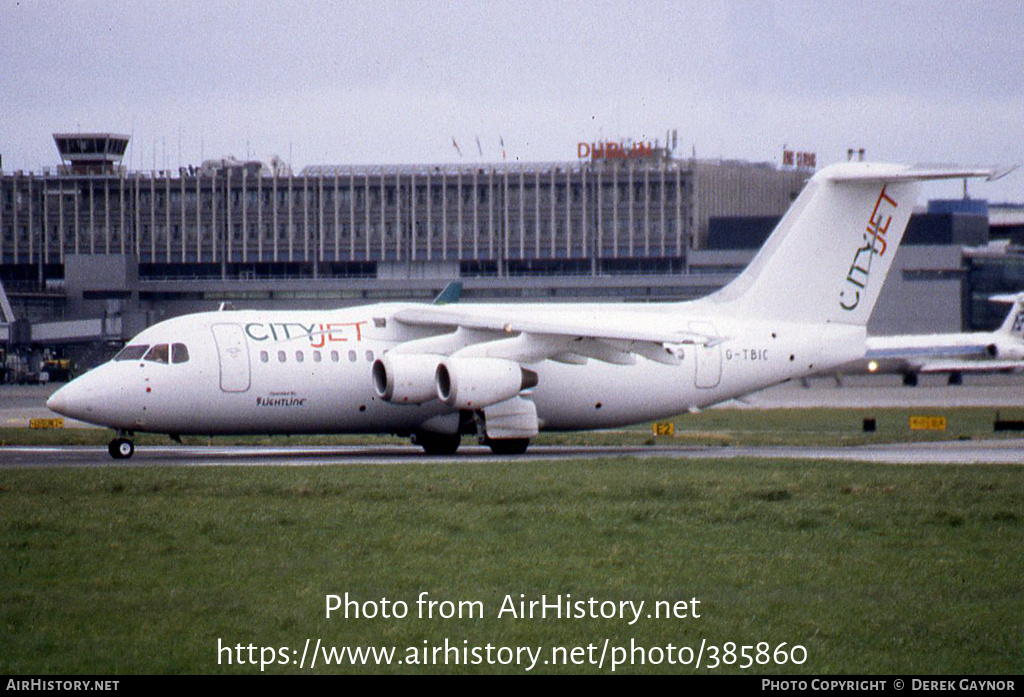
25, 347
19, 332
6, 316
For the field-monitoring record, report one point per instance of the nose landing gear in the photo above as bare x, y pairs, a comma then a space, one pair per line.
121, 447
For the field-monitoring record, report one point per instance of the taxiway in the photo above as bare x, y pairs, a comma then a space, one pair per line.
20, 404
991, 452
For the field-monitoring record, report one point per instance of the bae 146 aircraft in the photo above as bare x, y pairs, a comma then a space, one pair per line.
504, 372
1001, 350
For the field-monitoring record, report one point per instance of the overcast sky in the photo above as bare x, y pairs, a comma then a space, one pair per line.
380, 82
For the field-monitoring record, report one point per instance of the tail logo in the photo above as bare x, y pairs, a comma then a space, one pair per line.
874, 244
1018, 323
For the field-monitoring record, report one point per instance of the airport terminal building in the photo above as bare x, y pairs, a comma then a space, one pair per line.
637, 213
91, 240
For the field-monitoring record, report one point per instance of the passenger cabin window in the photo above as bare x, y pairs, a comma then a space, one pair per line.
132, 353
158, 354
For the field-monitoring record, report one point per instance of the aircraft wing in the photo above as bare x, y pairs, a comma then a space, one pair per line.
921, 354
988, 366
527, 336
937, 353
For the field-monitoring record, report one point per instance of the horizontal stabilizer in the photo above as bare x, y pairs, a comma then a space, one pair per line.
1007, 298
888, 173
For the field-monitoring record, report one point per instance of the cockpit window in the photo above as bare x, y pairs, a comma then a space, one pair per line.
158, 354
179, 353
132, 353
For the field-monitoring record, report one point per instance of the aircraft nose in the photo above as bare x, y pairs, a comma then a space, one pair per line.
64, 400
77, 399
57, 401
98, 397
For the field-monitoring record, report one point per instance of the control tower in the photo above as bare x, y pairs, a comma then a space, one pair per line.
91, 153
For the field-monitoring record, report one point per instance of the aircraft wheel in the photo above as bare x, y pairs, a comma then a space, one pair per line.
121, 448
910, 379
956, 378
438, 443
508, 446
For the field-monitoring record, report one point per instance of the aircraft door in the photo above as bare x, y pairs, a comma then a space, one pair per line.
233, 354
707, 360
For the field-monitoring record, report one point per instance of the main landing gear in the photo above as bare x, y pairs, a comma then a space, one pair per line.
447, 444
507, 446
437, 443
470, 423
122, 447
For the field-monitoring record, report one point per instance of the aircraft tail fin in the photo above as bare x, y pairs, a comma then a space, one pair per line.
828, 257
450, 294
1013, 325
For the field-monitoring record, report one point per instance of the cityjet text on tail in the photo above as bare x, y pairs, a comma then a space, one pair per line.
505, 372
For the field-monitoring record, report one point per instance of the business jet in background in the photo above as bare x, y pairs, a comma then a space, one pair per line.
504, 372
954, 354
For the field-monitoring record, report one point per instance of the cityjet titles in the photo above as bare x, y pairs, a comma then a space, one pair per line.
874, 245
318, 333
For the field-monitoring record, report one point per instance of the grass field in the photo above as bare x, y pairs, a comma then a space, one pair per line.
872, 569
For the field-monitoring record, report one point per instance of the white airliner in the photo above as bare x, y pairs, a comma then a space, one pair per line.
506, 371
966, 352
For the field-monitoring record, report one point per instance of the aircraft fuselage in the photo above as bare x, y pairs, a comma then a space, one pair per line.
310, 372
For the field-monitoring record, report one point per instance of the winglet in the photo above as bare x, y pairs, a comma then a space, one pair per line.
450, 295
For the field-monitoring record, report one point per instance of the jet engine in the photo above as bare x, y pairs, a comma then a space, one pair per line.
475, 383
1007, 350
405, 378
